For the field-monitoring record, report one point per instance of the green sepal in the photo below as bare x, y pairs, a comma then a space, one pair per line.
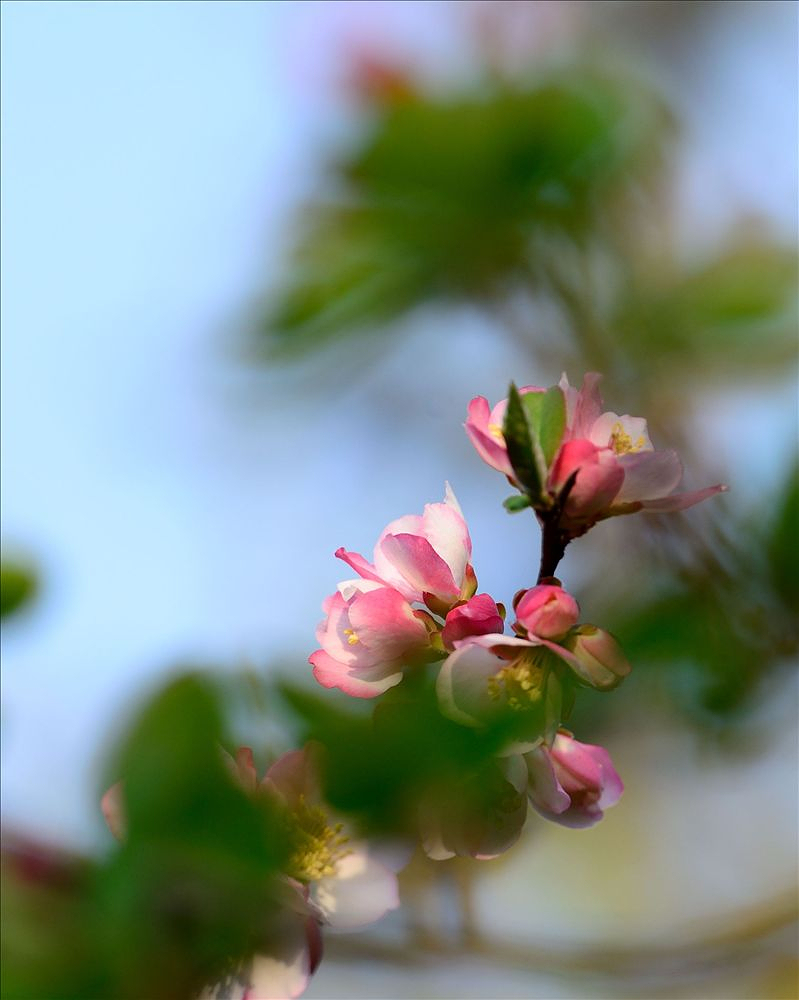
519, 501
553, 706
546, 418
519, 443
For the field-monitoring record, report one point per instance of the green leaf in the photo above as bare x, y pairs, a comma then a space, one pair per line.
519, 501
519, 442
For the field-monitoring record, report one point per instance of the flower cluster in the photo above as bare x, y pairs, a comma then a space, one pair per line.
416, 604
414, 613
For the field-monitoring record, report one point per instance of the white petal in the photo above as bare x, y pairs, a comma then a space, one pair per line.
359, 893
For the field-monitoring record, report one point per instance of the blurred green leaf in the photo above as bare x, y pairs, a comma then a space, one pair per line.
18, 586
462, 197
783, 544
737, 309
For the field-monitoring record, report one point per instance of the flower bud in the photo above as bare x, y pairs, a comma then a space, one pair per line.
598, 658
572, 783
547, 611
478, 616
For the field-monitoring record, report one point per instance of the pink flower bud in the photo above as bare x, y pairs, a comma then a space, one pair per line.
572, 783
598, 658
478, 616
547, 611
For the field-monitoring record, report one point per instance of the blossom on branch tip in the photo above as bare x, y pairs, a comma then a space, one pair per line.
586, 464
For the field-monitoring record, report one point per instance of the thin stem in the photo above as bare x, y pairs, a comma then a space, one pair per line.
554, 538
553, 547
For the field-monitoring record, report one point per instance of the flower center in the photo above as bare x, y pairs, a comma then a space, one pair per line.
622, 443
521, 682
496, 431
352, 638
318, 846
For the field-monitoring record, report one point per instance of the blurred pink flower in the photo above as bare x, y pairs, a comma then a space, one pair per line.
480, 820
425, 557
346, 884
572, 783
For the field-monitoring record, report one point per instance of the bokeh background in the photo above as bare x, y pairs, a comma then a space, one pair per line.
257, 258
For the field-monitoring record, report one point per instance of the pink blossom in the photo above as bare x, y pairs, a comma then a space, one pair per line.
370, 633
423, 556
547, 611
572, 783
477, 616
487, 674
607, 459
617, 469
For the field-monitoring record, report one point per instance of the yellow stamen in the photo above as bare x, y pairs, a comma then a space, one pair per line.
496, 431
622, 443
521, 682
352, 638
318, 847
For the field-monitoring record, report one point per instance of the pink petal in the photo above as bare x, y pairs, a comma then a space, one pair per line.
546, 794
599, 478
361, 566
293, 775
446, 531
587, 406
547, 611
649, 475
112, 805
331, 673
478, 616
681, 501
242, 768
420, 565
384, 623
491, 450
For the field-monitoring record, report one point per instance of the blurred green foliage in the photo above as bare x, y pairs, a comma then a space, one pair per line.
464, 197
18, 586
188, 895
